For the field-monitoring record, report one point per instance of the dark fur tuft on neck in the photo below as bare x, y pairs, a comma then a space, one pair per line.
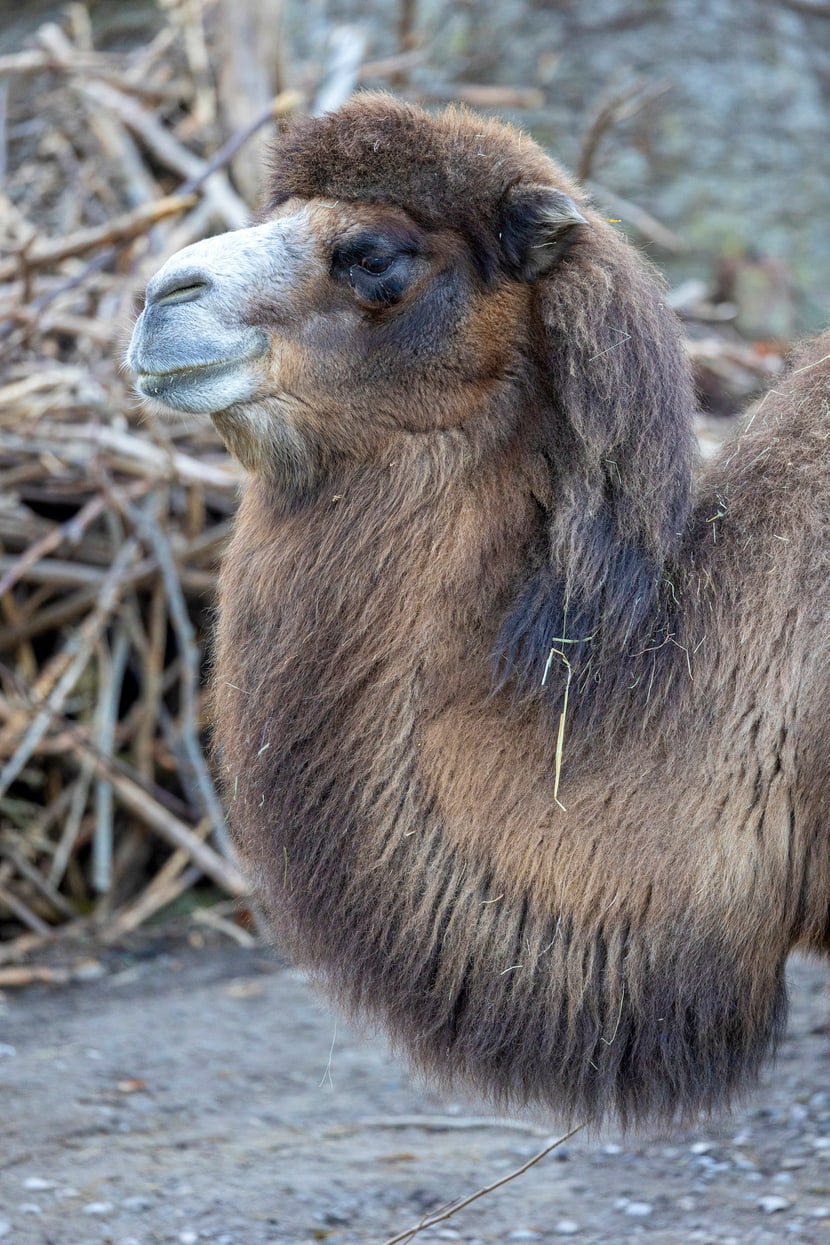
617, 442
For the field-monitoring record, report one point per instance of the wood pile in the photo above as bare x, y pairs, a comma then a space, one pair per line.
111, 526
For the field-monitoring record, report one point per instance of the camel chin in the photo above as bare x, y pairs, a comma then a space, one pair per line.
207, 388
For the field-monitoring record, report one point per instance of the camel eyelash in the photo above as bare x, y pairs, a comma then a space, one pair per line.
377, 271
383, 289
368, 247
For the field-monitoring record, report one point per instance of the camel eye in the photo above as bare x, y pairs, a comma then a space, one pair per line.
378, 268
376, 264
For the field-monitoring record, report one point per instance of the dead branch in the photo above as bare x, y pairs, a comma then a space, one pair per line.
150, 810
347, 47
482, 95
453, 1209
72, 663
53, 251
611, 112
641, 220
166, 148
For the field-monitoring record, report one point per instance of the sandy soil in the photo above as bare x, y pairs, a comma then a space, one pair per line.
185, 1096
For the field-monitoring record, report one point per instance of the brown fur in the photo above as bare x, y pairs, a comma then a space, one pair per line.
391, 664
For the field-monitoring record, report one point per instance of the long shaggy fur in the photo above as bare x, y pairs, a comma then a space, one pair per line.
395, 645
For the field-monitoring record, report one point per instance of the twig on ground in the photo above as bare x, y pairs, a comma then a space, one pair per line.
20, 909
430, 1221
32, 974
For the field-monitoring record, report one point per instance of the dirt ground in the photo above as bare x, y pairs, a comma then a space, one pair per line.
178, 1095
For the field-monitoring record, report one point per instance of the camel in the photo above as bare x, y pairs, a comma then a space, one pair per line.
524, 735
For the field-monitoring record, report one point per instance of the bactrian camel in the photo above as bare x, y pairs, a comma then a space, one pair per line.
524, 737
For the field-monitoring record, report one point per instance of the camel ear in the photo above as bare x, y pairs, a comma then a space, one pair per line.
536, 225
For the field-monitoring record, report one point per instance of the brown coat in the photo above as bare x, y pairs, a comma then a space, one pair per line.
597, 922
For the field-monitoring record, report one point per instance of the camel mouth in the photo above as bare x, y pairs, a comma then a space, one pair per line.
210, 366
203, 388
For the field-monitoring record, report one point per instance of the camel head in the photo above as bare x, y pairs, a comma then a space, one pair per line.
386, 289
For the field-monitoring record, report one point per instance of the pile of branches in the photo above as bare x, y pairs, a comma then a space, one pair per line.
112, 527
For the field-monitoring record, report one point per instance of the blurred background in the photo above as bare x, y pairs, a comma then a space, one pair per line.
129, 129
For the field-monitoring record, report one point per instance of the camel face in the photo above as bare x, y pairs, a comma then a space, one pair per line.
284, 332
333, 327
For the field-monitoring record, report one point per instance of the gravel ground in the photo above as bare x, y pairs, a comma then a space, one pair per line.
182, 1096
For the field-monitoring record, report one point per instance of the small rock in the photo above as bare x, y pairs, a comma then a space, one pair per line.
7, 1052
5, 1227
131, 1085
245, 988
448, 1234
639, 1209
702, 1147
566, 1227
525, 1234
37, 1184
821, 1143
97, 1208
820, 1212
769, 1205
612, 1148
332, 1218
188, 1237
137, 1202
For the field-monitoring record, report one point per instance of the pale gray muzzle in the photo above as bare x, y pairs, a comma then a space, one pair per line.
191, 347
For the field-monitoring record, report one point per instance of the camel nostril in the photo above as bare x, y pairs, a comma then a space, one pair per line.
185, 288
